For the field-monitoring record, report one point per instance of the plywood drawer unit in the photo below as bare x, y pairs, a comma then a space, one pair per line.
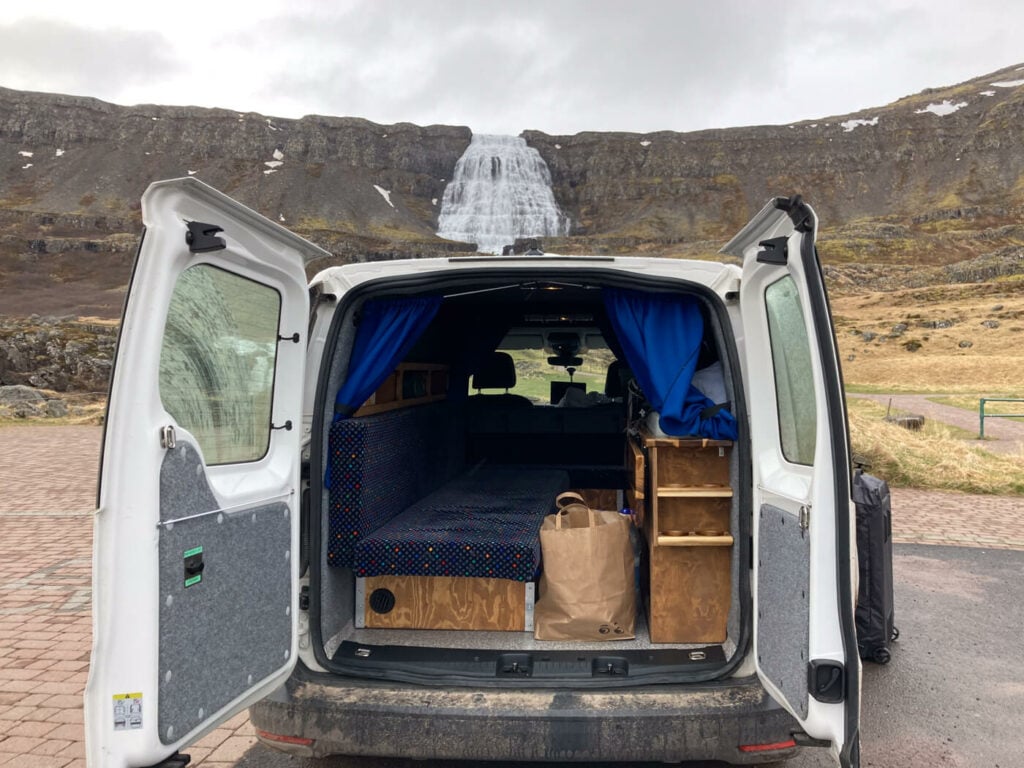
444, 602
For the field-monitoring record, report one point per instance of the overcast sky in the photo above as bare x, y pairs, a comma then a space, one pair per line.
502, 67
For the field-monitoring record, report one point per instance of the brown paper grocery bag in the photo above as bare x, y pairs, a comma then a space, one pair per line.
587, 585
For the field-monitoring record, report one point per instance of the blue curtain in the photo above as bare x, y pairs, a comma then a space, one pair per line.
387, 330
660, 335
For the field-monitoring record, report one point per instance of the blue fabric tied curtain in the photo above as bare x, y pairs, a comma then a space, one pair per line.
388, 328
660, 335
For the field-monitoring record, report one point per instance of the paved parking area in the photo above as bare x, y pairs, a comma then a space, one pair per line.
47, 492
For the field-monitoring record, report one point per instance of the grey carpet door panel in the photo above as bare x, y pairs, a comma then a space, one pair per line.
231, 627
783, 615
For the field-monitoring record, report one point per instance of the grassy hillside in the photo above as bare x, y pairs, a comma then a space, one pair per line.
955, 339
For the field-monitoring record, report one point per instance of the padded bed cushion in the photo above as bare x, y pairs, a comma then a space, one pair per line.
482, 524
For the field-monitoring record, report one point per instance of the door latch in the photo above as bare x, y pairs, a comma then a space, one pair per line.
167, 438
805, 518
826, 681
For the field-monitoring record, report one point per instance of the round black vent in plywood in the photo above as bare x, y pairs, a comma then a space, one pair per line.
382, 601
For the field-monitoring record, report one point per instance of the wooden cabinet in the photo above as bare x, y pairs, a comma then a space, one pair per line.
682, 487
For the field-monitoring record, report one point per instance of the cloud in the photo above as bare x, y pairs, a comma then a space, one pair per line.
52, 55
561, 67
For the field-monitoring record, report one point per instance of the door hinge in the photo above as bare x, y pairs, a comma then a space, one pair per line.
826, 681
805, 517
167, 438
775, 251
202, 238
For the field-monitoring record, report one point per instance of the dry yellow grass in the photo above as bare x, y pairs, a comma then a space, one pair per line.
933, 458
979, 350
947, 374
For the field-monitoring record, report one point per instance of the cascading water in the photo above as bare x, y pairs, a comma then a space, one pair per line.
501, 190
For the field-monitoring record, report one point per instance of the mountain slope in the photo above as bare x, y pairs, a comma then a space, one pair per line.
927, 187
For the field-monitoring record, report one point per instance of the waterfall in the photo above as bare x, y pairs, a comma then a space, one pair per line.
501, 190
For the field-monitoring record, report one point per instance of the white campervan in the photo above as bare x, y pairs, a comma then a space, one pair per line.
322, 500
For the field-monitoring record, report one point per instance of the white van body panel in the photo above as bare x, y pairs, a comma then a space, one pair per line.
802, 494
128, 596
129, 574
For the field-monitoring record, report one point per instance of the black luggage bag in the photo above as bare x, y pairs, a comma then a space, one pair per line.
875, 628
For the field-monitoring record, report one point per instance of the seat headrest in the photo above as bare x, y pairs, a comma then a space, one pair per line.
616, 379
498, 371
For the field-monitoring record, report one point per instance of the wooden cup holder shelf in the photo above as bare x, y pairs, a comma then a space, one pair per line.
679, 539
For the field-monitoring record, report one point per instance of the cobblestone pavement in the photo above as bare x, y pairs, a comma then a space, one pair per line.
45, 625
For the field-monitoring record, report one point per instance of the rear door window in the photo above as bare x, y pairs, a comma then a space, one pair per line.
794, 375
217, 362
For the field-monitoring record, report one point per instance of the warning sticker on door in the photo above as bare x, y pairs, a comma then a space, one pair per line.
127, 711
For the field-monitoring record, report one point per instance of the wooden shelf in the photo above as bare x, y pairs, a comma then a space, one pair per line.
665, 540
410, 384
688, 481
684, 442
694, 492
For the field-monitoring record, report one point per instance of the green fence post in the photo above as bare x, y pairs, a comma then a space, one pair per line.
981, 416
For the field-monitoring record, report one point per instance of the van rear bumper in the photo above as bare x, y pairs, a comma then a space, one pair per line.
654, 723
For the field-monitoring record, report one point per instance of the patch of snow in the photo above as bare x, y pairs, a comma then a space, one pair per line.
280, 216
433, 201
943, 108
273, 163
558, 146
383, 135
26, 166
385, 193
645, 143
241, 120
192, 173
814, 125
988, 93
24, 153
444, 179
270, 124
58, 153
149, 153
154, 118
849, 125
1008, 83
278, 154
269, 171
789, 126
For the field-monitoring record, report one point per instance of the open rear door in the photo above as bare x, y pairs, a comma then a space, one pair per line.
805, 561
195, 539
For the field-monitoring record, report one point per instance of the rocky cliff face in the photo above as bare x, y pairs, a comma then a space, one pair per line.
72, 171
59, 354
934, 179
890, 179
